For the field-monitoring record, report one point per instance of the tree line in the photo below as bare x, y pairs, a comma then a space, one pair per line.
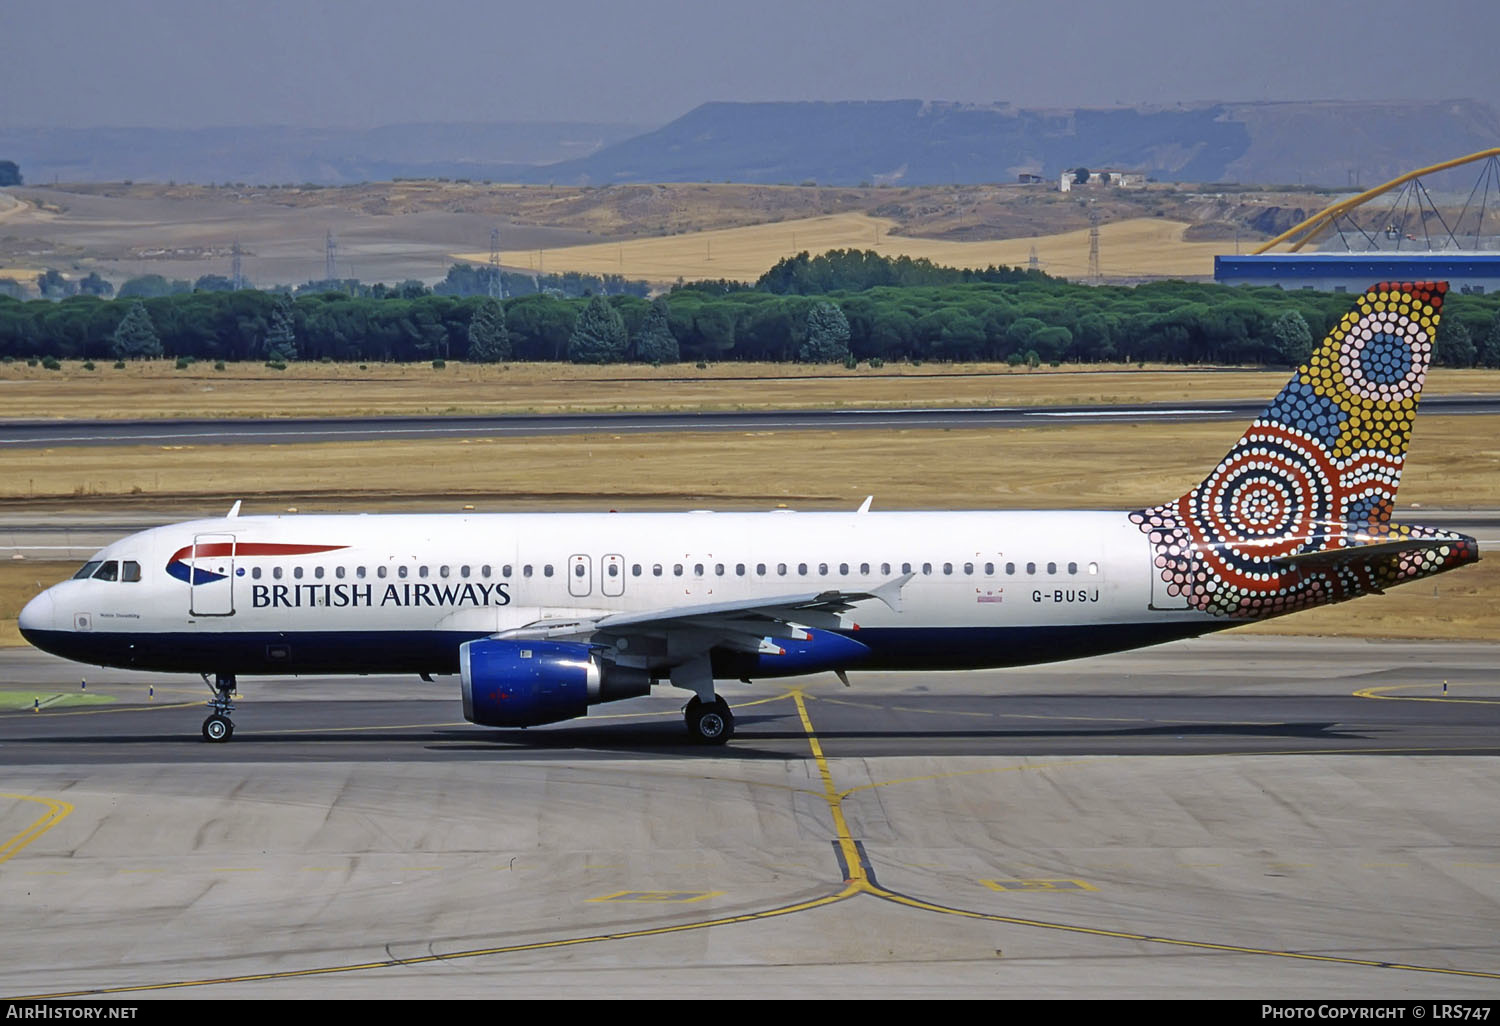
844, 306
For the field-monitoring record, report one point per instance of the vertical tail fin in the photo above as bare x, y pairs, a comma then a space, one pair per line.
1315, 473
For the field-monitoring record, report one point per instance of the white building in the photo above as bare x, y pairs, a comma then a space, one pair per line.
1106, 177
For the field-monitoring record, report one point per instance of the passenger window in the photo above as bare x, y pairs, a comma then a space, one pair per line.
823, 569
1031, 569
947, 568
802, 569
421, 571
844, 569
885, 568
1010, 569
968, 568
463, 571
1051, 568
255, 573
276, 572
989, 569
87, 570
781, 569
697, 569
578, 570
526, 570
547, 570
443, 570
318, 572
927, 568
906, 568
401, 572
297, 572
739, 569
380, 571
760, 569
109, 571
676, 569
1072, 568
359, 572
130, 571
505, 571
1093, 568
655, 569
635, 570
484, 571
338, 572
613, 570
718, 569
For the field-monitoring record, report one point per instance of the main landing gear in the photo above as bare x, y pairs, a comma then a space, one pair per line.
709, 723
219, 727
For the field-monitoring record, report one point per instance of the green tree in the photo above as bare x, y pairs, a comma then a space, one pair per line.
1292, 338
281, 336
135, 338
489, 342
1489, 346
53, 285
655, 343
1454, 346
599, 335
213, 283
94, 285
827, 338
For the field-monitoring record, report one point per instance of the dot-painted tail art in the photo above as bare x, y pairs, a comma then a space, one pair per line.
1299, 513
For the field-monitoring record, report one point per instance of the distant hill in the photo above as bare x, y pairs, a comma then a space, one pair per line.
897, 142
281, 155
910, 142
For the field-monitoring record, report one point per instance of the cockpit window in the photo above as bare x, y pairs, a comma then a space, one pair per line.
87, 570
108, 571
130, 571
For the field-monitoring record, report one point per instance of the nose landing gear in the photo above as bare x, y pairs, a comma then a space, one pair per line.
219, 727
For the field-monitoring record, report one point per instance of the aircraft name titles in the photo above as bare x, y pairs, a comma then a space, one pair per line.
334, 596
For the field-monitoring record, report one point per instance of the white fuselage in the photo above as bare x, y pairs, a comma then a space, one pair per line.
316, 593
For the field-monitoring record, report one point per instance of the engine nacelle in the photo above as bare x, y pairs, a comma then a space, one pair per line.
526, 683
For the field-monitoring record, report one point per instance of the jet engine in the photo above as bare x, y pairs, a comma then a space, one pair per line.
526, 683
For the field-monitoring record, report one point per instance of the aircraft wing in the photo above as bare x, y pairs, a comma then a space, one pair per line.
740, 624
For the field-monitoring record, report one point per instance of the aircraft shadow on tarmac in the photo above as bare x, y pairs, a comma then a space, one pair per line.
666, 736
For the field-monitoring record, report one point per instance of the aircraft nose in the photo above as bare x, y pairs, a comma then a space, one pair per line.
38, 615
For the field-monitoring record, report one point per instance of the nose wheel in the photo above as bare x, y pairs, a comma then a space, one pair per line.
219, 728
709, 723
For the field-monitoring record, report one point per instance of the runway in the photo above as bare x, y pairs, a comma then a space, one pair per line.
1230, 817
56, 434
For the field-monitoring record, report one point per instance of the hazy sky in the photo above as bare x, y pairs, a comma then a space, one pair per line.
182, 63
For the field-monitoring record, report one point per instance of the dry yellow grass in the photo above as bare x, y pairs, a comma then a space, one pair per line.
1133, 248
156, 390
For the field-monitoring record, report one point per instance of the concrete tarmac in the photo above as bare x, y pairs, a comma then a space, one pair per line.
1236, 817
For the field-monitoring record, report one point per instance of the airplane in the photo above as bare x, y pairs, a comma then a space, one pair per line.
543, 615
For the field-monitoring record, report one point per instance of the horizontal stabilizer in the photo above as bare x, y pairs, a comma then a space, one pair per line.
1327, 559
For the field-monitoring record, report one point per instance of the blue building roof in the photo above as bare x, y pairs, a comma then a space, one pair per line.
1373, 266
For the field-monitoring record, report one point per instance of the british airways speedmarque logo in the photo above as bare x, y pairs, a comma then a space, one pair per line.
178, 568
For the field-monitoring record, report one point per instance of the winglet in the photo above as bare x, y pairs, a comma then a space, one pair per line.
864, 507
234, 510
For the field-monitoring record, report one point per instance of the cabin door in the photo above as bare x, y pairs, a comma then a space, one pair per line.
211, 575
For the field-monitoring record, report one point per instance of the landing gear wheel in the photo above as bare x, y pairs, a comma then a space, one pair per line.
219, 728
709, 723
